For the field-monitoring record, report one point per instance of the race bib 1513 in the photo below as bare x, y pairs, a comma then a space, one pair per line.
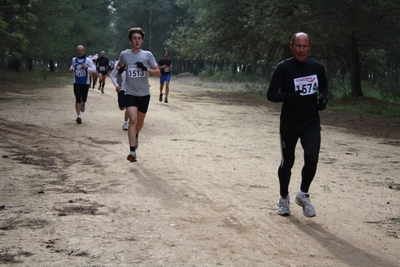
135, 72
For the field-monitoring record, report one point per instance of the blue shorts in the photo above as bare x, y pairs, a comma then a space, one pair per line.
165, 78
121, 100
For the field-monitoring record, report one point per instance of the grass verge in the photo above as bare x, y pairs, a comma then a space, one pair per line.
14, 81
358, 105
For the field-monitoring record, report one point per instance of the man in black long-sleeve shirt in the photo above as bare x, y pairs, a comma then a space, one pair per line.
301, 84
102, 68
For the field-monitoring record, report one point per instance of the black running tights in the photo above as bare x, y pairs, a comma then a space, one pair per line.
310, 138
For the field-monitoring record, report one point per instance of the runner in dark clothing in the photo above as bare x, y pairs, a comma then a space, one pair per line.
301, 84
102, 68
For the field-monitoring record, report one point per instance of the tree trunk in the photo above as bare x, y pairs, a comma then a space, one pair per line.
14, 64
150, 27
244, 68
355, 68
193, 67
187, 66
51, 65
30, 64
255, 65
177, 66
249, 69
234, 68
221, 66
201, 65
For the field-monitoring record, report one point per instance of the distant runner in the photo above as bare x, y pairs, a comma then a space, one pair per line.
102, 68
81, 66
165, 66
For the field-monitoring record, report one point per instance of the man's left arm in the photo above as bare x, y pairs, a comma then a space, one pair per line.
155, 71
322, 89
323, 82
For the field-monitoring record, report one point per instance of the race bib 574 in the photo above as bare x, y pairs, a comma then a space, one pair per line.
307, 85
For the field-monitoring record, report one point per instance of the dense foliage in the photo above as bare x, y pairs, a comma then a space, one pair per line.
354, 39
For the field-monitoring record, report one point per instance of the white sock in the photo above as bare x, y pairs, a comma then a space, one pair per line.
79, 116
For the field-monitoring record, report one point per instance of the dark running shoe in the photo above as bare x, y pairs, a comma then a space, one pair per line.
79, 120
132, 156
160, 98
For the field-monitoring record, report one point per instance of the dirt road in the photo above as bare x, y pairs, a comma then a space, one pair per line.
203, 192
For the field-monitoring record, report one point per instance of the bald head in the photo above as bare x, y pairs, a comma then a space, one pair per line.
80, 50
300, 46
300, 34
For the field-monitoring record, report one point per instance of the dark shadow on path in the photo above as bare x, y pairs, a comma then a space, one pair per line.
341, 249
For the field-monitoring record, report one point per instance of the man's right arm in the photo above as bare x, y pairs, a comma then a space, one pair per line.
161, 64
72, 68
275, 85
121, 61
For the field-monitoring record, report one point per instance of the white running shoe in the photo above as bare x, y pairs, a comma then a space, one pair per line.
283, 206
305, 202
125, 126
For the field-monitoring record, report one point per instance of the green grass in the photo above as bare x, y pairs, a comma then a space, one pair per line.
379, 101
375, 102
31, 79
367, 105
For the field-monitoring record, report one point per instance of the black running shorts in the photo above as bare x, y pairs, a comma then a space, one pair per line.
141, 102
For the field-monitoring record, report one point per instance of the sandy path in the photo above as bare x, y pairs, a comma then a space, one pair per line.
203, 192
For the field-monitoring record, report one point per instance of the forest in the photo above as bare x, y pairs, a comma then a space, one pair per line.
356, 40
